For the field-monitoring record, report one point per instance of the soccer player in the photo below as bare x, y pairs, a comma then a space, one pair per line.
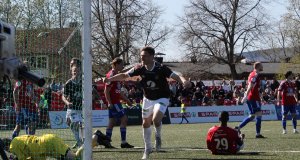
72, 97
252, 96
48, 145
288, 97
113, 96
156, 94
222, 139
25, 107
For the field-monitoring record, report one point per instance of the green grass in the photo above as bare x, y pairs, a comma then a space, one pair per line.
187, 141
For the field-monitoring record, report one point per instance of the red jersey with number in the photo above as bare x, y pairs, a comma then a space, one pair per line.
222, 140
254, 92
26, 95
115, 88
287, 89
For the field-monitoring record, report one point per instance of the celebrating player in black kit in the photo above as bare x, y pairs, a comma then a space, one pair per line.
156, 93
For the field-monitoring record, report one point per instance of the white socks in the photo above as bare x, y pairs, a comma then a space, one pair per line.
147, 138
158, 131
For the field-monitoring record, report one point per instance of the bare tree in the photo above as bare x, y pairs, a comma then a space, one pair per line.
11, 11
291, 23
121, 26
222, 29
28, 14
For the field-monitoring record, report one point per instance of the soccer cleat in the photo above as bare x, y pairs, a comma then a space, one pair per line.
109, 146
103, 139
157, 144
295, 131
146, 154
260, 136
126, 145
284, 131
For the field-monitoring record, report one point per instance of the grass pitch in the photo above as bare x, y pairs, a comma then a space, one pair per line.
187, 142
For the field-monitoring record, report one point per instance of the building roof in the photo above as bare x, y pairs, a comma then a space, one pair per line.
269, 55
215, 68
46, 41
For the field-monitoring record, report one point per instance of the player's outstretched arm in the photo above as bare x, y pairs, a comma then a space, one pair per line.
182, 80
117, 77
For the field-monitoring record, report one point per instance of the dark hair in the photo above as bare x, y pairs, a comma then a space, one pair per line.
224, 116
288, 73
76, 61
256, 64
149, 50
116, 61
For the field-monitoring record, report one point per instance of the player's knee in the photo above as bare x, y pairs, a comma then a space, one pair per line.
146, 124
283, 117
251, 116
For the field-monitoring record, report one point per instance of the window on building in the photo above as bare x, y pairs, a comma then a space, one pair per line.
38, 62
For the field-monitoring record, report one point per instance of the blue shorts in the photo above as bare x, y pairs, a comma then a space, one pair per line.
254, 106
25, 116
117, 111
288, 108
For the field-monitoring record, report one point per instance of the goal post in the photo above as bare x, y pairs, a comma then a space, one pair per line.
87, 79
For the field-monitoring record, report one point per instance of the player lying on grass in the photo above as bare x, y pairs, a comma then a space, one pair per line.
48, 145
222, 139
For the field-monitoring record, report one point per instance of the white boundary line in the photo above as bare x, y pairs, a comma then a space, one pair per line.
205, 149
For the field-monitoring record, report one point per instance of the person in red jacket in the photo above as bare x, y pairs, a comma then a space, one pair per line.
222, 139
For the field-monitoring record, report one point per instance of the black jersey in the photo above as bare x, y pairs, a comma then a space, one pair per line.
73, 91
154, 82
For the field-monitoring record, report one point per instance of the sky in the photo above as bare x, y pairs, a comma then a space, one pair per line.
174, 8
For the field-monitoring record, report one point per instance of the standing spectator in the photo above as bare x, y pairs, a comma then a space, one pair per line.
231, 85
263, 84
54, 87
214, 93
124, 90
138, 94
288, 97
275, 84
200, 84
252, 97
156, 94
198, 94
244, 83
221, 92
223, 83
132, 93
72, 97
193, 85
26, 109
206, 100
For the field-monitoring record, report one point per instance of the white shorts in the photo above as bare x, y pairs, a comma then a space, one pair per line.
74, 115
149, 106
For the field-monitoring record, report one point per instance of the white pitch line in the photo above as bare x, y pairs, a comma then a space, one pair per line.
204, 149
